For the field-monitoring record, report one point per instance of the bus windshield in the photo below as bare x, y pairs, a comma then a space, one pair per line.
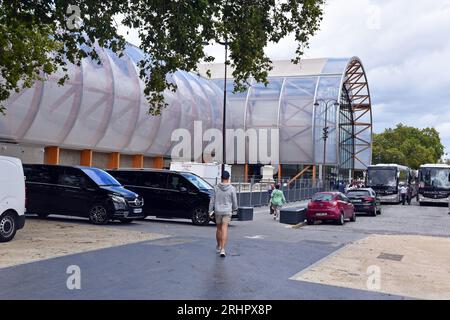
382, 178
435, 177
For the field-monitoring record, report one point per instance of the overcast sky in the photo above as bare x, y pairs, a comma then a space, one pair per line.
405, 47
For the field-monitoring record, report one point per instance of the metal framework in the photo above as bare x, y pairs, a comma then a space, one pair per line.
356, 88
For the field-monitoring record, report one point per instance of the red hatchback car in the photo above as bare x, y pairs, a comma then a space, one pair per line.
330, 206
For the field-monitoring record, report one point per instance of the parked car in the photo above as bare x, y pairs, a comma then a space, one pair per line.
327, 206
365, 200
12, 198
169, 194
80, 191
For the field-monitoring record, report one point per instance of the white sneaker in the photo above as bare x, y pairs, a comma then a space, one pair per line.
222, 253
218, 249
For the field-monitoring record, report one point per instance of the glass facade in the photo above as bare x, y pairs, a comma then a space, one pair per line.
102, 107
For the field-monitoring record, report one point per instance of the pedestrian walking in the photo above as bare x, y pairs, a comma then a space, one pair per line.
271, 188
277, 200
341, 187
410, 195
223, 203
403, 193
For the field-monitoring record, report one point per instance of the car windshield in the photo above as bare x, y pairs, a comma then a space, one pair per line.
358, 193
197, 181
382, 177
435, 177
101, 178
323, 197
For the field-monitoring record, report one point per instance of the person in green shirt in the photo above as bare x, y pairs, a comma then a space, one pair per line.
277, 200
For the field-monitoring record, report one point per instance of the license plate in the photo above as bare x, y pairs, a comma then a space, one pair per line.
321, 214
137, 210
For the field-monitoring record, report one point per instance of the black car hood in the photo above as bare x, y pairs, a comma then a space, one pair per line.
120, 191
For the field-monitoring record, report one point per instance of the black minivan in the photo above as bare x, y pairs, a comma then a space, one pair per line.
79, 191
169, 194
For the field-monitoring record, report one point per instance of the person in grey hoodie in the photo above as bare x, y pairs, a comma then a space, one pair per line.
223, 203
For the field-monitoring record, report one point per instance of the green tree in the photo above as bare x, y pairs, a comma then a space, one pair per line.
39, 37
408, 146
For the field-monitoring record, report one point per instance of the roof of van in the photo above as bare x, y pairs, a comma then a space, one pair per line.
149, 170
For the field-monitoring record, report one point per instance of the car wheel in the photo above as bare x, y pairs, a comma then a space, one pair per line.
7, 227
379, 212
98, 214
341, 220
200, 216
353, 218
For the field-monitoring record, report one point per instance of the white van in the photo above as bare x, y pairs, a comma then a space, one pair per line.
12, 198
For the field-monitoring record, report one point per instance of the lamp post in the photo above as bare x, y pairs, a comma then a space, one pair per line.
224, 128
224, 120
326, 129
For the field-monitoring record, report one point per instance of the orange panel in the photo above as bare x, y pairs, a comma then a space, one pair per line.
246, 173
158, 162
114, 160
51, 155
86, 158
138, 161
279, 174
314, 174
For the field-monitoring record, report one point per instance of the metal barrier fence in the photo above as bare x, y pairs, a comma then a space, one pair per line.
256, 194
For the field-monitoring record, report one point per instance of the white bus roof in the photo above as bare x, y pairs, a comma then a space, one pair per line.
443, 166
389, 165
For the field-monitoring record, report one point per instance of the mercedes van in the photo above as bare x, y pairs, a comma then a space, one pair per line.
169, 194
12, 198
79, 191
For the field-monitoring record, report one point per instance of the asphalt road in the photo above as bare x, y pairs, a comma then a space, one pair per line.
262, 256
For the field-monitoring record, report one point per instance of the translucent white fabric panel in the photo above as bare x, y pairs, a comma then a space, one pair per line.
145, 132
215, 99
58, 109
126, 104
21, 110
197, 109
326, 116
171, 116
263, 104
236, 105
296, 121
96, 104
335, 66
146, 129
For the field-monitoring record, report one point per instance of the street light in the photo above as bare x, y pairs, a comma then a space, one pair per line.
224, 151
326, 129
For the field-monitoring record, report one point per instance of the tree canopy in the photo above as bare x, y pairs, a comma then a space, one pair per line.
408, 146
39, 37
